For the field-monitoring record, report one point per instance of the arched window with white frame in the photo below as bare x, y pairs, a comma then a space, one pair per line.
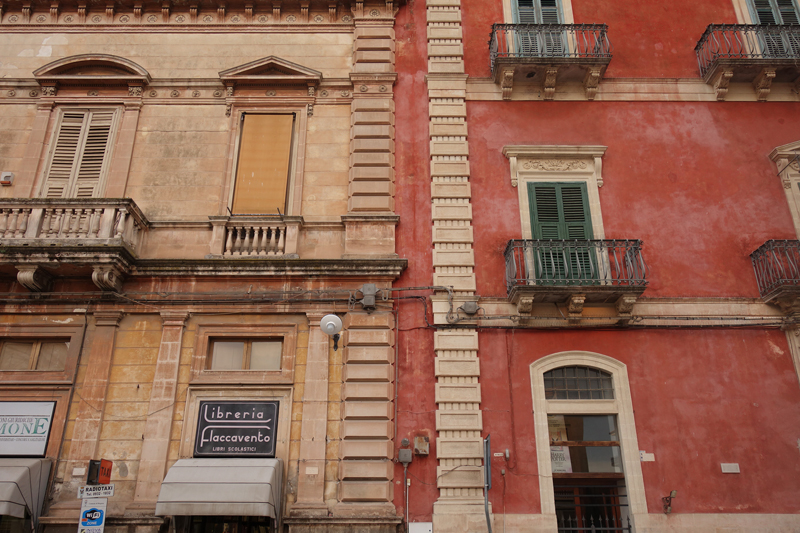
590, 478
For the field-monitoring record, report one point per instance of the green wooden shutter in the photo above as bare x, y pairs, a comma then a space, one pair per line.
549, 12
787, 12
560, 212
525, 12
80, 154
775, 12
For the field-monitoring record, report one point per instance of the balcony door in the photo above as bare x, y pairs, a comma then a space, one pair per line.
560, 218
777, 12
539, 42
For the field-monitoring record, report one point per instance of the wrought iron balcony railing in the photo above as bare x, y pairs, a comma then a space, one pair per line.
71, 221
747, 42
575, 263
777, 266
566, 41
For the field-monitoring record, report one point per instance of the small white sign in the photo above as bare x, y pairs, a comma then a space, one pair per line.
95, 491
93, 515
730, 468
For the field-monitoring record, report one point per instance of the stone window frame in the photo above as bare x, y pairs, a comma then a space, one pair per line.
557, 163
196, 394
123, 81
44, 332
287, 333
621, 406
294, 193
787, 161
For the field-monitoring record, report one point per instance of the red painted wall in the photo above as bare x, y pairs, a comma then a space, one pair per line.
649, 39
415, 386
692, 180
701, 398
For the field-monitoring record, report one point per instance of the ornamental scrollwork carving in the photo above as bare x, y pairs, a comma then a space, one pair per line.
555, 164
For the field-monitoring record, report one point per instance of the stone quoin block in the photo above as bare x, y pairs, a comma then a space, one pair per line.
455, 340
363, 470
458, 393
451, 190
452, 448
459, 421
361, 410
457, 367
365, 491
368, 391
367, 429
373, 372
453, 258
365, 449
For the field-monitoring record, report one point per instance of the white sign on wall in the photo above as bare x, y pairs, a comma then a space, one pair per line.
25, 428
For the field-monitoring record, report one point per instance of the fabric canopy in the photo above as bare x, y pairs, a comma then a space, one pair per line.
23, 483
222, 487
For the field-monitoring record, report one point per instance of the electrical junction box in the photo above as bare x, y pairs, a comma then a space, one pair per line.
420, 527
404, 456
6, 178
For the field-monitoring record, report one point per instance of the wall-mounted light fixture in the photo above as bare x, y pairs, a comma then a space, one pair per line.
667, 500
331, 325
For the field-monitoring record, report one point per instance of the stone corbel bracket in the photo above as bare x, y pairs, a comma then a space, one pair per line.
624, 307
34, 278
763, 83
721, 83
107, 278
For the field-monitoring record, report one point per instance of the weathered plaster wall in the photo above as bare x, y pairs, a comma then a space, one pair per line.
647, 39
691, 180
701, 397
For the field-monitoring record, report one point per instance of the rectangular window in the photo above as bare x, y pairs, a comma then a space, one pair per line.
80, 153
33, 355
264, 164
232, 354
587, 444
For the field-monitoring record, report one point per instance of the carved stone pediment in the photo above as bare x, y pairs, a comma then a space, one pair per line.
270, 71
92, 70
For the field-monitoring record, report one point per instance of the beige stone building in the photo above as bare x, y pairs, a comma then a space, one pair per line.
187, 189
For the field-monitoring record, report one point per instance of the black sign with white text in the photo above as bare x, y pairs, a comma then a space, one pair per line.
236, 429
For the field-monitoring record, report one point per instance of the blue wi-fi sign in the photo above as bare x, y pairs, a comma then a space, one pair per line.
92, 517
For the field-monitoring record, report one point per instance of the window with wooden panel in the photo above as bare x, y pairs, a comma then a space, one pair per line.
264, 163
245, 354
23, 355
80, 153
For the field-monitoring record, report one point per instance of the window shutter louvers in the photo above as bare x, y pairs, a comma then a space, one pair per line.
526, 12
64, 155
95, 149
80, 154
775, 12
549, 11
763, 9
787, 12
560, 212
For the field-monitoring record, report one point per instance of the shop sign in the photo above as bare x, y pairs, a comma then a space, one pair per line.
236, 429
95, 491
25, 428
93, 515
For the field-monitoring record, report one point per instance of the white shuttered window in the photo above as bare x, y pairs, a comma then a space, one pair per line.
80, 153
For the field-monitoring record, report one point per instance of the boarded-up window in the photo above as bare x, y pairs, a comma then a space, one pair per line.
262, 174
80, 155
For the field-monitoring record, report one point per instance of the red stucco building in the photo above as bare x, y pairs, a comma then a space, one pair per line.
611, 190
